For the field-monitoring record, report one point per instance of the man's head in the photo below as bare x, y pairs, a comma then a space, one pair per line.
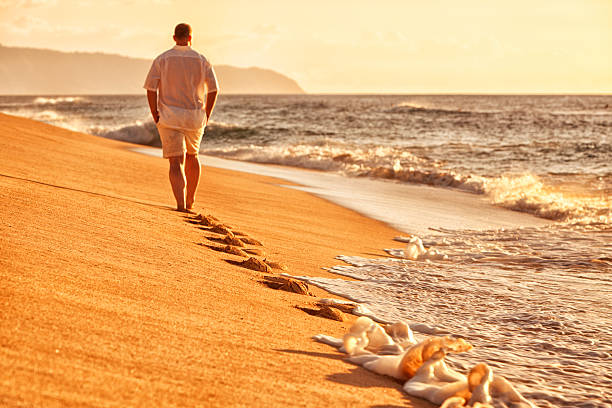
182, 34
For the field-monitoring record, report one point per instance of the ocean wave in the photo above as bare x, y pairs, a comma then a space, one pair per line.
593, 147
220, 130
144, 133
455, 162
382, 162
41, 100
590, 112
410, 107
519, 192
528, 193
321, 154
47, 116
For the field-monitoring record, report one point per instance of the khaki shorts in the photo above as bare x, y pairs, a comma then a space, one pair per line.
175, 142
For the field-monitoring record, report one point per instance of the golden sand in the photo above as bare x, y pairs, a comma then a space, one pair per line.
109, 298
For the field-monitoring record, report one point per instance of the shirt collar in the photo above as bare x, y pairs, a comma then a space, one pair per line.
181, 47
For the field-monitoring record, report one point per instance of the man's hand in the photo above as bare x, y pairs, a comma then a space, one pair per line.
152, 98
211, 98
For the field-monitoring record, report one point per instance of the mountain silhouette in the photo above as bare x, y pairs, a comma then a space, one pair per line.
49, 72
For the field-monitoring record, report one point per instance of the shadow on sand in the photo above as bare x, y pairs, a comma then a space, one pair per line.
129, 199
360, 377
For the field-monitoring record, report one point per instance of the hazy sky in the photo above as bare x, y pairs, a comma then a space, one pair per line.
349, 45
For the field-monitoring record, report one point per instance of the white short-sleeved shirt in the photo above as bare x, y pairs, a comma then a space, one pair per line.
183, 77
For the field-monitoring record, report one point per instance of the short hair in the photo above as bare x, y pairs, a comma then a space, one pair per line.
182, 30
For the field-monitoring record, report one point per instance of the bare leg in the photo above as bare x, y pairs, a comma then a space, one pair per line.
192, 172
177, 181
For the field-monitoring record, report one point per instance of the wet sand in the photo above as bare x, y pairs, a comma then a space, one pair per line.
109, 297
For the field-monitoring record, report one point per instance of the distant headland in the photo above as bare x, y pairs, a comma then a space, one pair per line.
48, 72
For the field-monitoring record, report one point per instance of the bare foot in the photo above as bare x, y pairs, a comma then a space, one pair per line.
185, 210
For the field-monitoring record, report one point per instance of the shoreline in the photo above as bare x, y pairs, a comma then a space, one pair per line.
410, 208
110, 299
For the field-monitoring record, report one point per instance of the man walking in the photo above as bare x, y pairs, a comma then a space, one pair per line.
187, 88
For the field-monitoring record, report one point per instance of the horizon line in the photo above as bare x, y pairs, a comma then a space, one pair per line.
356, 93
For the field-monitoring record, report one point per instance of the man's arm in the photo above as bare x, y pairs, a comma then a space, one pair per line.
211, 99
152, 98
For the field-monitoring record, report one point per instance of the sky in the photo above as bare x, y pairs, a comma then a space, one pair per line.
342, 46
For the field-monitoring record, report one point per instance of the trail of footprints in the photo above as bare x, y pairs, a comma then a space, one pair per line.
228, 240
234, 242
389, 350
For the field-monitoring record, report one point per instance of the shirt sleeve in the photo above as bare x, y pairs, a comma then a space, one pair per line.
210, 78
152, 81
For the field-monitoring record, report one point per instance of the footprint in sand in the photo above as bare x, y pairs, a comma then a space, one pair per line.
287, 284
228, 249
207, 220
325, 312
233, 241
343, 307
219, 228
222, 229
276, 265
256, 265
236, 245
251, 241
255, 251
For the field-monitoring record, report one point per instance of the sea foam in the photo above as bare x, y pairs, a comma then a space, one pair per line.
55, 100
520, 192
530, 300
393, 351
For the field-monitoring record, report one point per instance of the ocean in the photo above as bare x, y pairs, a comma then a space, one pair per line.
535, 301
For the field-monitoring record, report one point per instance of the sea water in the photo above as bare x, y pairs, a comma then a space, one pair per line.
548, 155
536, 301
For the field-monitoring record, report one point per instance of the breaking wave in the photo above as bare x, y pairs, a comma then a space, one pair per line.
144, 133
41, 100
519, 192
528, 193
480, 145
221, 130
47, 116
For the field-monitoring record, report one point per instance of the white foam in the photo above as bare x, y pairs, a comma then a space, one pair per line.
423, 368
55, 100
415, 251
527, 314
527, 193
47, 115
324, 154
519, 192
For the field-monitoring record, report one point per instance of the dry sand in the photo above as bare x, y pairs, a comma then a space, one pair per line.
108, 297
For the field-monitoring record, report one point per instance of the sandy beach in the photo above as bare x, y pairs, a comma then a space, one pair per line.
109, 298
401, 204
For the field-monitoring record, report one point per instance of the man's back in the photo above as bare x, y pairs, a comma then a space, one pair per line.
183, 77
